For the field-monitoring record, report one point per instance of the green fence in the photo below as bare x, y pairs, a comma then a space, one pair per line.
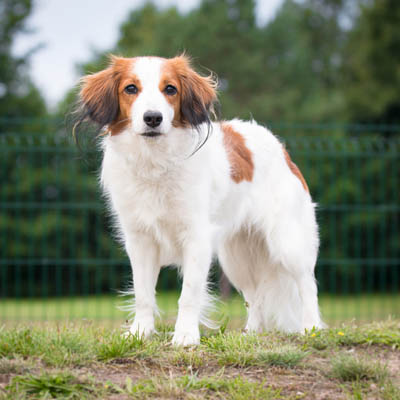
58, 259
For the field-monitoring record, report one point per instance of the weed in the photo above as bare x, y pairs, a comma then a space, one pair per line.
390, 391
286, 356
205, 388
236, 349
188, 358
349, 368
382, 333
59, 347
17, 366
61, 385
116, 345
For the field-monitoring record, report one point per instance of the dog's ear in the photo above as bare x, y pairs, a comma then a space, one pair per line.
99, 95
198, 93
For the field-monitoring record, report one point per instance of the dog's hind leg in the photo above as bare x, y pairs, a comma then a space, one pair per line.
277, 283
237, 255
290, 292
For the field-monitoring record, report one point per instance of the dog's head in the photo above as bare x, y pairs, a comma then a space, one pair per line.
147, 96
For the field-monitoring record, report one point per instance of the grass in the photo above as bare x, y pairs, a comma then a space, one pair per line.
384, 333
335, 308
349, 368
85, 361
209, 387
53, 385
251, 350
115, 346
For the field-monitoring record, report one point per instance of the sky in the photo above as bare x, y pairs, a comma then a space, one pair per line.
69, 31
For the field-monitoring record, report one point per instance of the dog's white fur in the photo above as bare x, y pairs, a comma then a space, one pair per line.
175, 207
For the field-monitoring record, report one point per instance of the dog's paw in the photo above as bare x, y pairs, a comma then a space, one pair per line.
252, 329
140, 329
186, 338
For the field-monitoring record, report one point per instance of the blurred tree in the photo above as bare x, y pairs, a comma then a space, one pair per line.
372, 64
301, 53
287, 70
18, 96
35, 170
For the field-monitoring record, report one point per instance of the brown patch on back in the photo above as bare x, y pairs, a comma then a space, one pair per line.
239, 156
295, 169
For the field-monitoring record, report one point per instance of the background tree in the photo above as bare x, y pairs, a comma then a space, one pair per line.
287, 70
372, 64
18, 95
41, 170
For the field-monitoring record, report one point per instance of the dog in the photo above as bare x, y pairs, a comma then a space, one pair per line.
184, 188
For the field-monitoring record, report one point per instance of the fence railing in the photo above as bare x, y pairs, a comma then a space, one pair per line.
58, 258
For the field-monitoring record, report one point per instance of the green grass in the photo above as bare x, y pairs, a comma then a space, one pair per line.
335, 308
209, 387
349, 368
53, 385
53, 346
384, 333
83, 360
245, 350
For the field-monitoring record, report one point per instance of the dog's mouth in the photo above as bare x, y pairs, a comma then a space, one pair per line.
151, 134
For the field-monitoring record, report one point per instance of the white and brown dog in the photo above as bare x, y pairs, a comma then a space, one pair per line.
184, 188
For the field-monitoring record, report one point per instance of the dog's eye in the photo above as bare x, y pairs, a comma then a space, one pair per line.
170, 90
131, 89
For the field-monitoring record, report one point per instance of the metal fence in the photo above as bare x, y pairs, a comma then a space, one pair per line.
58, 259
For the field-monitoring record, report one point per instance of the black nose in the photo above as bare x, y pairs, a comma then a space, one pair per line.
152, 118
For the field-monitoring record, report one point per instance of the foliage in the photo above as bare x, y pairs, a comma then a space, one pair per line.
59, 385
254, 63
372, 64
348, 368
51, 210
55, 228
18, 96
315, 61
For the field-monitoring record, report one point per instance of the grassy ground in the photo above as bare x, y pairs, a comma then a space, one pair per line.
79, 361
335, 309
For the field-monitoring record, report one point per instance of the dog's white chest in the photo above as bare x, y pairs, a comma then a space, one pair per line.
153, 205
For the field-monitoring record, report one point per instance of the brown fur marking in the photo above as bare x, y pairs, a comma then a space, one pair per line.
127, 77
103, 94
239, 156
169, 76
295, 169
190, 85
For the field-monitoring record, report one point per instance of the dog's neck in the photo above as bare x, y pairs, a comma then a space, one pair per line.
153, 158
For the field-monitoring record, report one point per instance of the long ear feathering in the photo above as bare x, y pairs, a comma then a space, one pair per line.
198, 92
198, 96
98, 103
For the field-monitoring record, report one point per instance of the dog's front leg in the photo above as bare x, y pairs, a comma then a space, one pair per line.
196, 264
143, 254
